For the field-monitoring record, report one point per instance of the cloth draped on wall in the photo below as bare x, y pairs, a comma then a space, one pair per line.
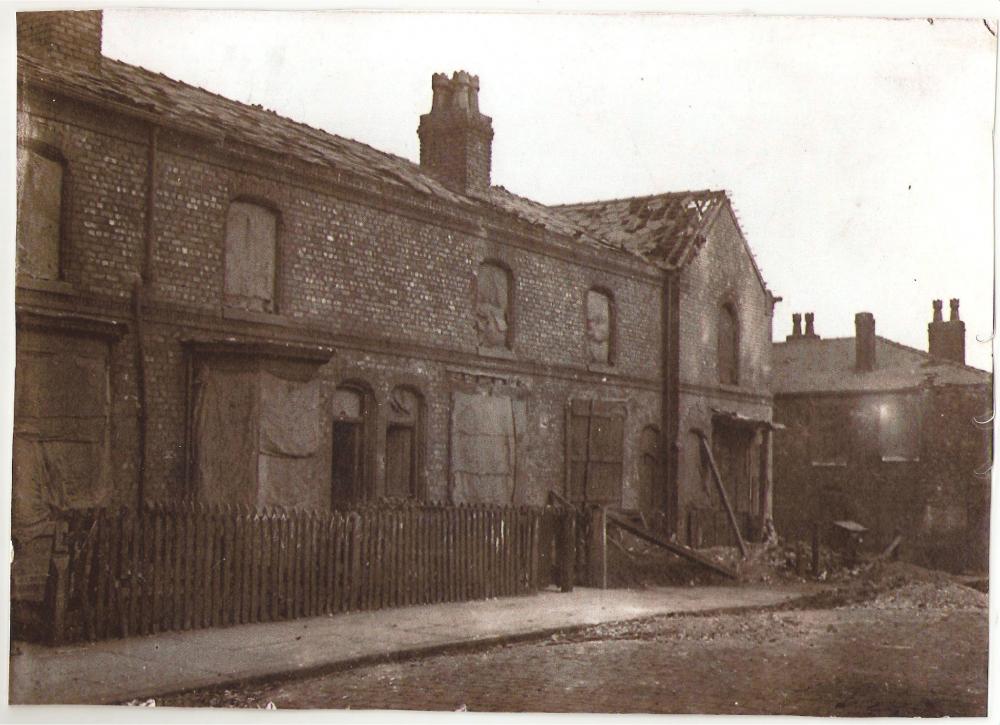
256, 435
60, 451
289, 441
486, 430
225, 433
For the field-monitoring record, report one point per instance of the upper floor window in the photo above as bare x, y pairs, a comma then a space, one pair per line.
728, 345
251, 246
493, 306
600, 327
40, 181
829, 426
899, 428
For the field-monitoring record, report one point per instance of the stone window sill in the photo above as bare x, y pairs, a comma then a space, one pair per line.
236, 313
829, 464
57, 286
596, 367
500, 352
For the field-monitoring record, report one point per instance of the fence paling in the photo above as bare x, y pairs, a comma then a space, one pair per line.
188, 566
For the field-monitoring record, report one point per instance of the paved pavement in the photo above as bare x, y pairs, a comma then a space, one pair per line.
116, 671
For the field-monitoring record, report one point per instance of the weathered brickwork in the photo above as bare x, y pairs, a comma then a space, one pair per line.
374, 274
939, 501
348, 273
722, 273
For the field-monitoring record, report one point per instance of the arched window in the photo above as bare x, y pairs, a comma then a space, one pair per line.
600, 327
251, 254
403, 443
728, 345
41, 176
494, 289
351, 413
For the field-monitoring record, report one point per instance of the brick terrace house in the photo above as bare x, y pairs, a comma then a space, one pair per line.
218, 303
892, 437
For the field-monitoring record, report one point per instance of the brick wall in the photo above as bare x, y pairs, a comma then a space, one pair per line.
939, 503
722, 273
392, 290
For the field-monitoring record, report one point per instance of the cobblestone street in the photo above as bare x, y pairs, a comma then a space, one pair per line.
861, 661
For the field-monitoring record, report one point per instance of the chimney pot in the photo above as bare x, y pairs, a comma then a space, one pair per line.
946, 340
796, 327
810, 328
864, 342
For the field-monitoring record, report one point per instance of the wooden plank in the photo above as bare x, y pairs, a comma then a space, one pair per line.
197, 577
158, 569
354, 571
707, 450
134, 588
465, 552
398, 570
256, 524
682, 551
97, 563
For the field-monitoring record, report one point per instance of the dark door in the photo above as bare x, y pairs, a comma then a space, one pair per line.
347, 462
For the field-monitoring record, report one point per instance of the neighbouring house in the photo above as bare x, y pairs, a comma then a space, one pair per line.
217, 303
896, 439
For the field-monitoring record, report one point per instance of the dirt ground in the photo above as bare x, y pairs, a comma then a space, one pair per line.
894, 640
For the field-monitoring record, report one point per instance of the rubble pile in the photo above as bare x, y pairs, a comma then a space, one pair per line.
751, 628
636, 564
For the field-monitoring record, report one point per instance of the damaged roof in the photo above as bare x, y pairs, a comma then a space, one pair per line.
663, 230
816, 365
667, 229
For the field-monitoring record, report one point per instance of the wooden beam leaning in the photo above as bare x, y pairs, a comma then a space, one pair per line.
682, 551
707, 450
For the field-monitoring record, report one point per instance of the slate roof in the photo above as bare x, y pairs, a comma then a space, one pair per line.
827, 366
664, 230
667, 229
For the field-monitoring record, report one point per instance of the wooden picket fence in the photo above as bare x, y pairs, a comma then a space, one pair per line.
188, 566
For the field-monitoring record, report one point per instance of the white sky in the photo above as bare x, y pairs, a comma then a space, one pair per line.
857, 152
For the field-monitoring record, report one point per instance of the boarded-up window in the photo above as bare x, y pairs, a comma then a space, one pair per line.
899, 428
350, 408
493, 302
728, 346
599, 327
595, 451
256, 433
61, 444
251, 232
39, 214
402, 444
829, 434
486, 430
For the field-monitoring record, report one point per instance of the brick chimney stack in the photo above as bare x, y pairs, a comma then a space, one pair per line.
946, 340
456, 140
810, 327
864, 342
71, 37
796, 327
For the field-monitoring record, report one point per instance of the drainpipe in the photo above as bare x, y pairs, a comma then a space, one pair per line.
670, 400
139, 292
